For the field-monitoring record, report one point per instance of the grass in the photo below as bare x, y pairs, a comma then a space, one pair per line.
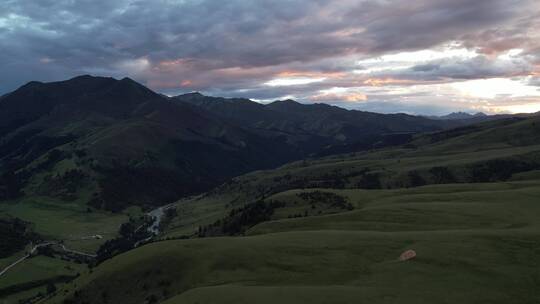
21, 296
234, 294
8, 260
197, 211
440, 207
54, 220
35, 269
39, 268
393, 166
64, 221
463, 267
474, 245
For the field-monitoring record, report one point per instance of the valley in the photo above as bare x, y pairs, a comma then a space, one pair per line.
321, 217
270, 151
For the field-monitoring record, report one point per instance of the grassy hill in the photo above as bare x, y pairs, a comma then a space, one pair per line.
474, 245
488, 152
323, 231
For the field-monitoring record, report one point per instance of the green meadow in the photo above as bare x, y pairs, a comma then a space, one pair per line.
475, 243
467, 202
55, 221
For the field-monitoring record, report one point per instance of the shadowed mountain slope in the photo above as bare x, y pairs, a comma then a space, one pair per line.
115, 143
318, 129
125, 143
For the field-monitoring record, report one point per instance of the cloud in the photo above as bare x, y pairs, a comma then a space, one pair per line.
534, 81
234, 48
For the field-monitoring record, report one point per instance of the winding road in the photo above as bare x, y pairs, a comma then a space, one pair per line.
24, 257
44, 244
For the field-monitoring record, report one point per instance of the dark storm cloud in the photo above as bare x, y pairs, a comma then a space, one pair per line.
234, 47
474, 68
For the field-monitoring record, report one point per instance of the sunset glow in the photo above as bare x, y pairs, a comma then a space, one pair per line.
431, 62
292, 81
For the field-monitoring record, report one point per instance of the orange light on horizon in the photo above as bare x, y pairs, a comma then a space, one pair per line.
186, 83
304, 74
376, 82
345, 96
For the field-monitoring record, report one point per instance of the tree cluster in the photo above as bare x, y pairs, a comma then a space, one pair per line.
241, 219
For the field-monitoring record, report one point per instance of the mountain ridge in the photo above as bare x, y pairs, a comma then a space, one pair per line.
459, 115
118, 135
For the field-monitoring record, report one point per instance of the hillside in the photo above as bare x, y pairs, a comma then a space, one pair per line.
100, 133
332, 229
488, 152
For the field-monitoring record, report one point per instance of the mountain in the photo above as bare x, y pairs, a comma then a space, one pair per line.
120, 143
115, 143
318, 129
459, 116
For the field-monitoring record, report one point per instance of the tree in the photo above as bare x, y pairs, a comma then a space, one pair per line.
10, 186
369, 181
51, 288
151, 299
171, 212
126, 229
441, 175
415, 179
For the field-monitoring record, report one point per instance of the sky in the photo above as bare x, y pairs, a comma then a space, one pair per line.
429, 57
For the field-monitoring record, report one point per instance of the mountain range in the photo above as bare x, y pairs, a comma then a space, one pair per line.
115, 143
460, 115
276, 218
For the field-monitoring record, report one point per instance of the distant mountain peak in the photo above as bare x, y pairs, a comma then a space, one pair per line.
191, 97
198, 99
130, 83
32, 84
87, 78
290, 101
284, 103
84, 76
128, 80
459, 115
192, 94
480, 114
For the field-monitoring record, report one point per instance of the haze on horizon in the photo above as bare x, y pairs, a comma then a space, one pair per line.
420, 57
